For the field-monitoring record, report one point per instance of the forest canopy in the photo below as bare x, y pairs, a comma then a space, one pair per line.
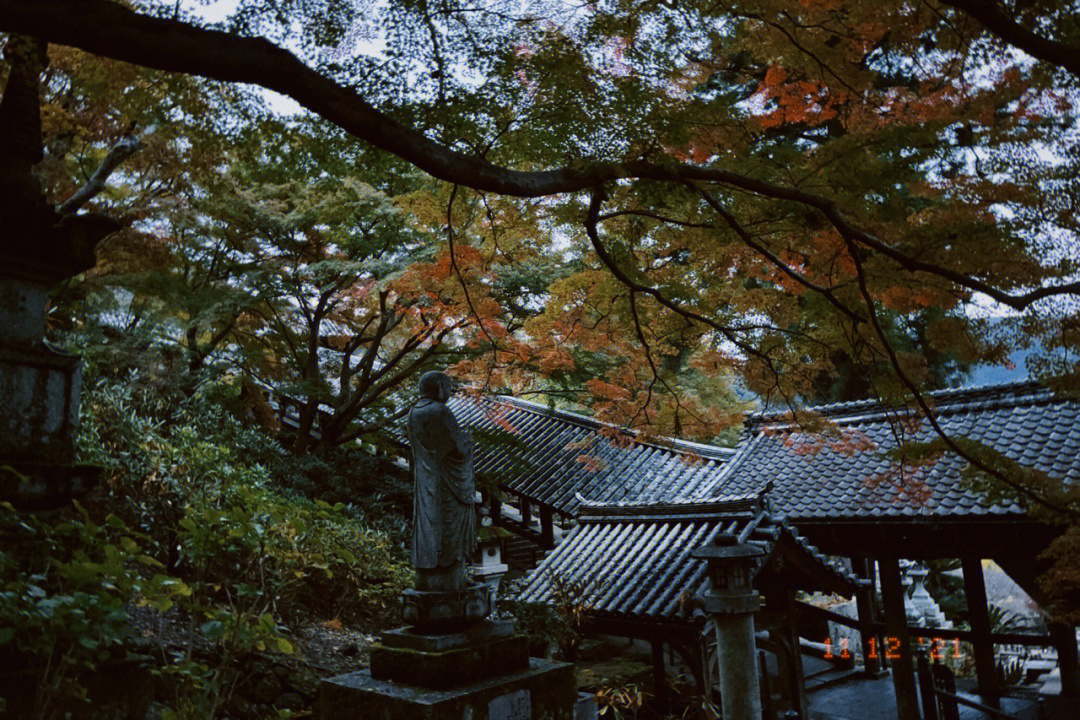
638, 203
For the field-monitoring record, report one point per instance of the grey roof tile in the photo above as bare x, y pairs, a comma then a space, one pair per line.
1024, 422
553, 456
633, 559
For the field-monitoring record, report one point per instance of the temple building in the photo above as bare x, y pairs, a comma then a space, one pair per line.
832, 509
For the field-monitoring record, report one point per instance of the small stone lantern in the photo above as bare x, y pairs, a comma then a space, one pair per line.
731, 601
487, 565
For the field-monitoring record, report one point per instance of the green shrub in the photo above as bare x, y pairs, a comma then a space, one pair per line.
64, 589
204, 486
193, 519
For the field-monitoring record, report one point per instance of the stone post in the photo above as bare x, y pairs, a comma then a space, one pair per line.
731, 601
39, 387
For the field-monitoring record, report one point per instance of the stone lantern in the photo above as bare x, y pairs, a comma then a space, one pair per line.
487, 564
39, 247
731, 601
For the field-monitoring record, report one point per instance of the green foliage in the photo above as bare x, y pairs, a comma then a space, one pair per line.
207, 489
620, 701
196, 524
1005, 621
559, 622
64, 589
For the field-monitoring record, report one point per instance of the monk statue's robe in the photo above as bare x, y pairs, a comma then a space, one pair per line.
444, 517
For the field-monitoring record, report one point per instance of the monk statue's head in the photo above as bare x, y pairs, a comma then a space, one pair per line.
435, 385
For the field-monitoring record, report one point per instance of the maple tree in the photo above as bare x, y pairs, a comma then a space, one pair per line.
771, 190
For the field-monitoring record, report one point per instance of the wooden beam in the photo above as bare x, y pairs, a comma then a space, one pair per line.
659, 677
903, 666
864, 604
519, 529
789, 644
929, 538
668, 632
979, 619
1026, 639
826, 614
1065, 642
547, 528
768, 712
1029, 639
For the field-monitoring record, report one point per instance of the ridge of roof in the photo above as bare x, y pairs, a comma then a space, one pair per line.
951, 400
712, 452
722, 506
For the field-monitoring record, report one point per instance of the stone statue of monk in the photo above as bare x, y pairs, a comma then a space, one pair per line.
444, 519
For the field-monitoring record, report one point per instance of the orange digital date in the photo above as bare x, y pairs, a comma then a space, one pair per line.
938, 648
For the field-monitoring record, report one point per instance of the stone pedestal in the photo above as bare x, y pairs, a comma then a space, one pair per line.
543, 691
446, 661
440, 611
483, 673
924, 603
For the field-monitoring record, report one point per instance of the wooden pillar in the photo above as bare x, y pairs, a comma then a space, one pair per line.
659, 677
526, 511
1064, 637
768, 712
979, 619
926, 688
789, 645
899, 644
864, 603
547, 528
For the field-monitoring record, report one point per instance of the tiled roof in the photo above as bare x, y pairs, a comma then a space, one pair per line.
831, 478
633, 561
554, 457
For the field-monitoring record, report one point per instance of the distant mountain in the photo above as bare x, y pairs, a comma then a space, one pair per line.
997, 374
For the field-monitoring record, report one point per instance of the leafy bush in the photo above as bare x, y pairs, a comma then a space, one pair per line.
194, 523
203, 485
64, 589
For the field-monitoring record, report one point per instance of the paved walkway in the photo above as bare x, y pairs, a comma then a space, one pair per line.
860, 698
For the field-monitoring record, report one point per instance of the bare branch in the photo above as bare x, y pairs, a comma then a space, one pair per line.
124, 148
992, 16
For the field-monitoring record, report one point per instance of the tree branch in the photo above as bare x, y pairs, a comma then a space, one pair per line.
769, 255
928, 412
993, 17
124, 148
111, 30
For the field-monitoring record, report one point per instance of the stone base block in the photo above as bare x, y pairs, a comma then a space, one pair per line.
482, 632
450, 668
45, 486
430, 611
542, 691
